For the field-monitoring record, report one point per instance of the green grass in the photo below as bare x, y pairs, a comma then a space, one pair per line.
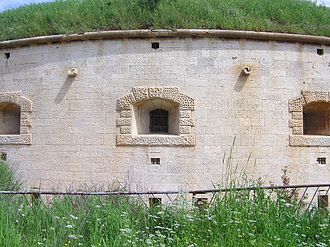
239, 219
76, 16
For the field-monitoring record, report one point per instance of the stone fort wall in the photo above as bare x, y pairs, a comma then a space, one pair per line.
90, 129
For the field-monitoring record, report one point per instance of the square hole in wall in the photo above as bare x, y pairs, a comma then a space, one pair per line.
321, 160
155, 201
155, 161
320, 52
155, 45
3, 156
7, 55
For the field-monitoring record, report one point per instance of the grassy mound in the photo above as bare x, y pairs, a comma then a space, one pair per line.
76, 16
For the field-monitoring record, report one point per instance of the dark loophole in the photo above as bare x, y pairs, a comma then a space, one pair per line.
155, 45
321, 161
320, 52
155, 201
7, 55
3, 156
155, 161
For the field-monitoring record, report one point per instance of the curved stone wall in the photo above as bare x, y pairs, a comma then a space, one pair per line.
236, 99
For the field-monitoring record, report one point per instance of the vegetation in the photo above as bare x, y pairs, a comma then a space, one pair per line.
76, 16
239, 219
244, 218
8, 179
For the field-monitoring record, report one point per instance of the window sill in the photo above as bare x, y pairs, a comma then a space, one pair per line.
24, 139
155, 140
309, 141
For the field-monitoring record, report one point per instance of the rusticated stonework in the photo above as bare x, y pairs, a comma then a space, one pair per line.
139, 94
25, 123
297, 137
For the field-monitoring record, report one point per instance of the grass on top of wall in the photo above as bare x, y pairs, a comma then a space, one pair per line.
77, 16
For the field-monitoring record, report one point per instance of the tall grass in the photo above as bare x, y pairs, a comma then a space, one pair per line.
8, 178
76, 16
238, 219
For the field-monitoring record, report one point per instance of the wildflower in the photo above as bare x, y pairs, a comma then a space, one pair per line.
69, 226
97, 206
321, 244
73, 217
70, 236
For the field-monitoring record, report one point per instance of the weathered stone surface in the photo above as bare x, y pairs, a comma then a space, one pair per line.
10, 97
315, 96
26, 104
15, 139
124, 122
297, 115
297, 130
125, 113
155, 92
185, 114
295, 105
296, 123
124, 103
170, 93
185, 130
187, 122
153, 140
186, 102
125, 129
140, 93
309, 141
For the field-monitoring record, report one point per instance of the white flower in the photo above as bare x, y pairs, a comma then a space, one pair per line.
73, 217
69, 226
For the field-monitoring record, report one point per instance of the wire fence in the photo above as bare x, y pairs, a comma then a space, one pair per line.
306, 195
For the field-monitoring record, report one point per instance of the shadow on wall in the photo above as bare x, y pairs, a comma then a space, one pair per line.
64, 89
240, 82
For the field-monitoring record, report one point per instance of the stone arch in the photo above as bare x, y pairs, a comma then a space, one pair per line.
15, 119
142, 100
310, 119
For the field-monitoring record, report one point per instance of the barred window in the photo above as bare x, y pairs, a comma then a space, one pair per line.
158, 121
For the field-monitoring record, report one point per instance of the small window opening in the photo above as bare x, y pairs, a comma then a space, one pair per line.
7, 55
10, 115
155, 45
158, 121
155, 201
155, 161
316, 119
320, 52
323, 201
3, 156
321, 161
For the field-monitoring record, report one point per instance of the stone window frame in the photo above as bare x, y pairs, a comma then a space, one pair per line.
25, 136
297, 137
138, 94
